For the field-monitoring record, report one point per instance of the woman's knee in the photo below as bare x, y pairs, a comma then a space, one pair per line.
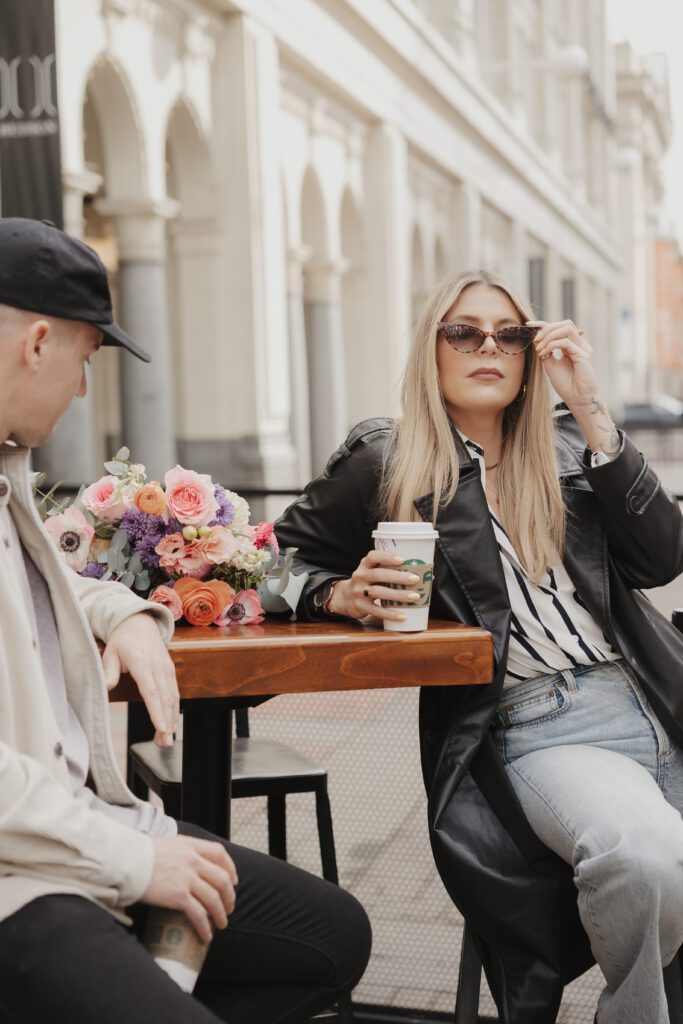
641, 867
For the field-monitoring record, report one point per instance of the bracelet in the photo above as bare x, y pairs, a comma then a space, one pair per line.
325, 607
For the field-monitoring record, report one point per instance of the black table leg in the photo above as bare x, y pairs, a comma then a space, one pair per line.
207, 765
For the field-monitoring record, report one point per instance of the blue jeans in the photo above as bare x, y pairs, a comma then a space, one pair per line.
602, 785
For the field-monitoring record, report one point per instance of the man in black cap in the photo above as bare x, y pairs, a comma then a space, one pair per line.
78, 850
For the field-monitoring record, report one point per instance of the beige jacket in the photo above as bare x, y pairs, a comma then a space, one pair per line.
50, 842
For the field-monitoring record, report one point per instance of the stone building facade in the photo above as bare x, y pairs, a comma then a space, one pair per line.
277, 187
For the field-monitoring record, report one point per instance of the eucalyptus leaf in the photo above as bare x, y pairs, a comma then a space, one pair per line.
135, 565
128, 579
142, 581
104, 531
103, 557
122, 455
107, 576
119, 540
117, 562
115, 468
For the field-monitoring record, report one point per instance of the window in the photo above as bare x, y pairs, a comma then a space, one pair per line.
568, 298
537, 285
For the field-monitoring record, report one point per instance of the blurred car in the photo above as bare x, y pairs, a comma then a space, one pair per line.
664, 411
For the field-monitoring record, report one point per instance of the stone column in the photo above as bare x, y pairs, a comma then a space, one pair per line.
250, 213
148, 427
70, 454
387, 261
552, 122
326, 370
465, 41
511, 79
298, 362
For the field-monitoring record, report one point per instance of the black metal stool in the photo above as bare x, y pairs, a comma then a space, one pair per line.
469, 984
260, 767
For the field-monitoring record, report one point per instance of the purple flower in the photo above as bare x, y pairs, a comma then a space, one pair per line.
145, 532
226, 509
94, 570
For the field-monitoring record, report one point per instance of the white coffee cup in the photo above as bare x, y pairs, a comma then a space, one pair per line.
415, 543
172, 941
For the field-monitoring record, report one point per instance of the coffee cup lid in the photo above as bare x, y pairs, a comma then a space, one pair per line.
406, 531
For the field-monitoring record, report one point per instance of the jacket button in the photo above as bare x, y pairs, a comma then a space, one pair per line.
634, 503
59, 749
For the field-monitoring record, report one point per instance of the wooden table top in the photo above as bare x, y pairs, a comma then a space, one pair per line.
278, 657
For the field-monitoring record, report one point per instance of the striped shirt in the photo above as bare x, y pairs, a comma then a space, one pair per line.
551, 628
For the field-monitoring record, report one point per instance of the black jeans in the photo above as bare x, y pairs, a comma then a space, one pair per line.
293, 946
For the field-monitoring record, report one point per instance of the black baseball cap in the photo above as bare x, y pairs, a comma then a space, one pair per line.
44, 270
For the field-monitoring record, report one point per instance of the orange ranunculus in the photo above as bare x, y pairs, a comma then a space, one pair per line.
203, 601
151, 499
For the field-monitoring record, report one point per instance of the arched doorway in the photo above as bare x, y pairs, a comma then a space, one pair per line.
128, 226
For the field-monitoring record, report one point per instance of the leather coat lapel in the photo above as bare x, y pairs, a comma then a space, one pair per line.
468, 548
585, 555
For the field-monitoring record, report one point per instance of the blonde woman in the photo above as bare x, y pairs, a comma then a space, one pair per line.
563, 778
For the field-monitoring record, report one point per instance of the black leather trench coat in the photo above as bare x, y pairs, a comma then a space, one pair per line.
624, 532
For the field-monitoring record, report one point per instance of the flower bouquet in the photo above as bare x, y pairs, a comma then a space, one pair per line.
187, 544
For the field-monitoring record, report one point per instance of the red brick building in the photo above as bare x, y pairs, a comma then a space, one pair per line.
668, 306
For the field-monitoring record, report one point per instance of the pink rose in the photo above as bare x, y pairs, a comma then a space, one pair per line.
244, 610
193, 561
190, 497
99, 499
169, 549
71, 533
168, 597
219, 546
177, 556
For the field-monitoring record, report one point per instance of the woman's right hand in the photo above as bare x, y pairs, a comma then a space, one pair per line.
355, 598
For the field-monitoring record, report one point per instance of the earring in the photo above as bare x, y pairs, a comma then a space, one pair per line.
522, 394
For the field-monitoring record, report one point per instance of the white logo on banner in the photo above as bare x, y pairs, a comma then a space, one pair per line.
41, 118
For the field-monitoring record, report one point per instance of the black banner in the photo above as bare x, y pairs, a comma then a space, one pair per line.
30, 171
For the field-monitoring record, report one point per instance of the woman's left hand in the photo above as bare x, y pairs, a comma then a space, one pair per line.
573, 376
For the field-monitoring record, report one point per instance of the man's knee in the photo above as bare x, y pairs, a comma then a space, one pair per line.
350, 939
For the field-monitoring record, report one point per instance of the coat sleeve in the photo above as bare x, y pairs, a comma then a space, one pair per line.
331, 523
47, 833
107, 604
642, 519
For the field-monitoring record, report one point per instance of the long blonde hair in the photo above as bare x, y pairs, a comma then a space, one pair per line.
423, 459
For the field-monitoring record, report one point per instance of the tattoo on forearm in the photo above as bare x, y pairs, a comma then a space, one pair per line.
612, 440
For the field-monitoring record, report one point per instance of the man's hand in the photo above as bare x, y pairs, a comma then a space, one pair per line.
136, 647
196, 876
